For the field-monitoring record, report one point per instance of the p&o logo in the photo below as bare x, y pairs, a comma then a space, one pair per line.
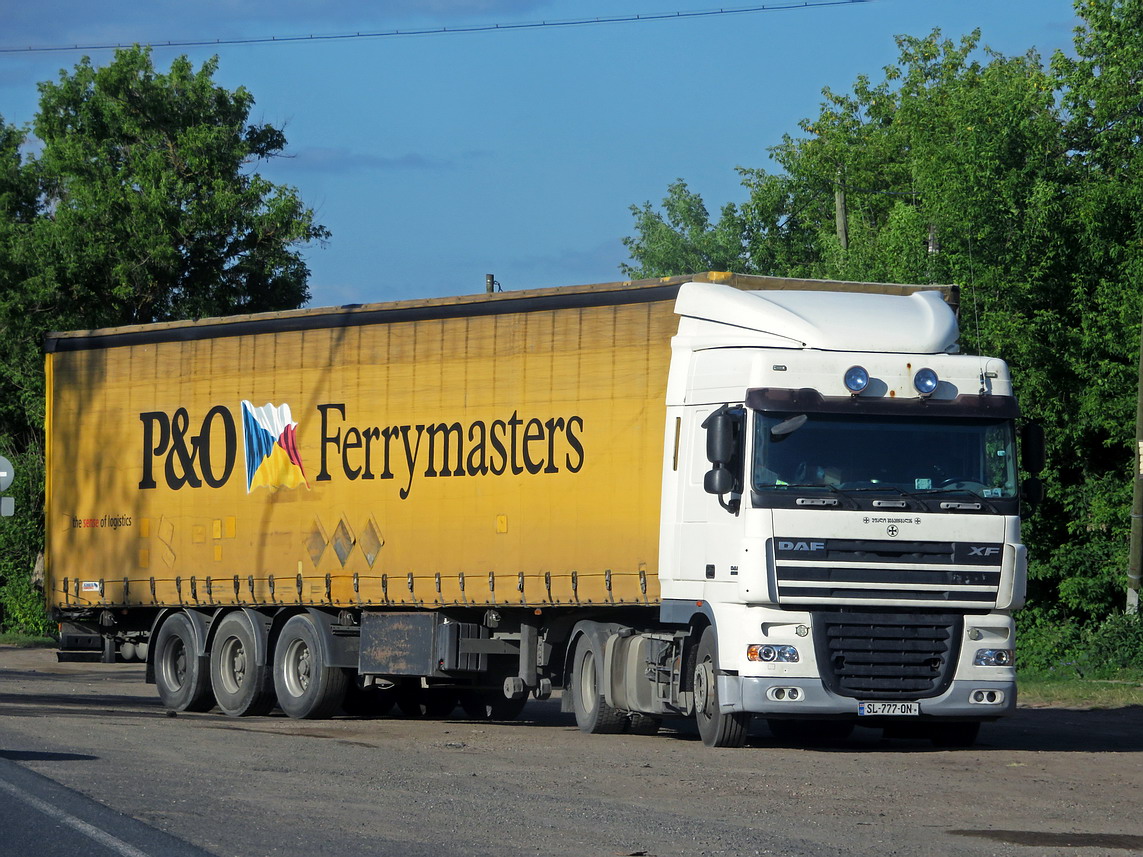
207, 456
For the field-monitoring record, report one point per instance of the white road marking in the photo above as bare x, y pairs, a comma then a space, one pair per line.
101, 836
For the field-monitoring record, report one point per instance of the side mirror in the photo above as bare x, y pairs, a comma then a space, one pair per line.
723, 428
718, 481
1032, 448
720, 437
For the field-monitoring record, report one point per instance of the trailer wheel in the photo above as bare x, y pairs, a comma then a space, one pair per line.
306, 686
182, 682
592, 714
717, 728
241, 685
490, 705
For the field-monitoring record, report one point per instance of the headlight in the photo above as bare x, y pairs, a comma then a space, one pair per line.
772, 654
993, 658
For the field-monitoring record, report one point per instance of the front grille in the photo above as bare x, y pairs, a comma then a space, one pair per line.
888, 655
852, 571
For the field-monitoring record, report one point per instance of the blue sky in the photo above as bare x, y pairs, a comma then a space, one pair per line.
437, 159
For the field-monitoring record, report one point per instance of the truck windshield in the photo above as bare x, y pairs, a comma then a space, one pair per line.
906, 454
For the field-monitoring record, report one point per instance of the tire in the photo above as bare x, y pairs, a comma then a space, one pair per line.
490, 705
811, 733
643, 724
954, 735
717, 728
242, 686
181, 677
306, 686
592, 714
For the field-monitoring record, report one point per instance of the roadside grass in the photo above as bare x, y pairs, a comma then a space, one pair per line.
26, 641
1053, 691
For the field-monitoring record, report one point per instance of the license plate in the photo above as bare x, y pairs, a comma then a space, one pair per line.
889, 709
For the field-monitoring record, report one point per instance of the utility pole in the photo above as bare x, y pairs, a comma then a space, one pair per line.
841, 216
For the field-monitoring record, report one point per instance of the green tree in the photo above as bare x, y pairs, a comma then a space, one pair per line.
1100, 88
139, 203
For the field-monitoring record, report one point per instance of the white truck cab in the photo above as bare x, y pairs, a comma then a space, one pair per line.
840, 515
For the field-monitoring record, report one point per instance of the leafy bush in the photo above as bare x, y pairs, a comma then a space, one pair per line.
1052, 645
23, 607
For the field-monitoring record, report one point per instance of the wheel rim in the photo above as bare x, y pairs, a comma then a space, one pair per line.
704, 678
175, 665
298, 667
233, 664
587, 684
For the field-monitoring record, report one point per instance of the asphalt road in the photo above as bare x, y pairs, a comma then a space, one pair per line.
91, 764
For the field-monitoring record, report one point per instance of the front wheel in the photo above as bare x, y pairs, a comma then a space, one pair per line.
717, 728
180, 677
306, 686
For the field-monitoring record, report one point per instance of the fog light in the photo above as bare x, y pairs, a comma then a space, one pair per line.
987, 697
769, 654
993, 658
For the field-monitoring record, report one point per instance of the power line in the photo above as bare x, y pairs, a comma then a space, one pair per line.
445, 31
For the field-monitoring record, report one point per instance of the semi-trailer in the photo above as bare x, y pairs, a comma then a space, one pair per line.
717, 496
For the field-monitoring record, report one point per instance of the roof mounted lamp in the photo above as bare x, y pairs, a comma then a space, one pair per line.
856, 379
925, 381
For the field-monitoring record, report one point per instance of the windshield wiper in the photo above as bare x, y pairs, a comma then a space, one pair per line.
978, 500
885, 487
801, 486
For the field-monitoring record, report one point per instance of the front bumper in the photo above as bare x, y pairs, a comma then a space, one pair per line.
755, 695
